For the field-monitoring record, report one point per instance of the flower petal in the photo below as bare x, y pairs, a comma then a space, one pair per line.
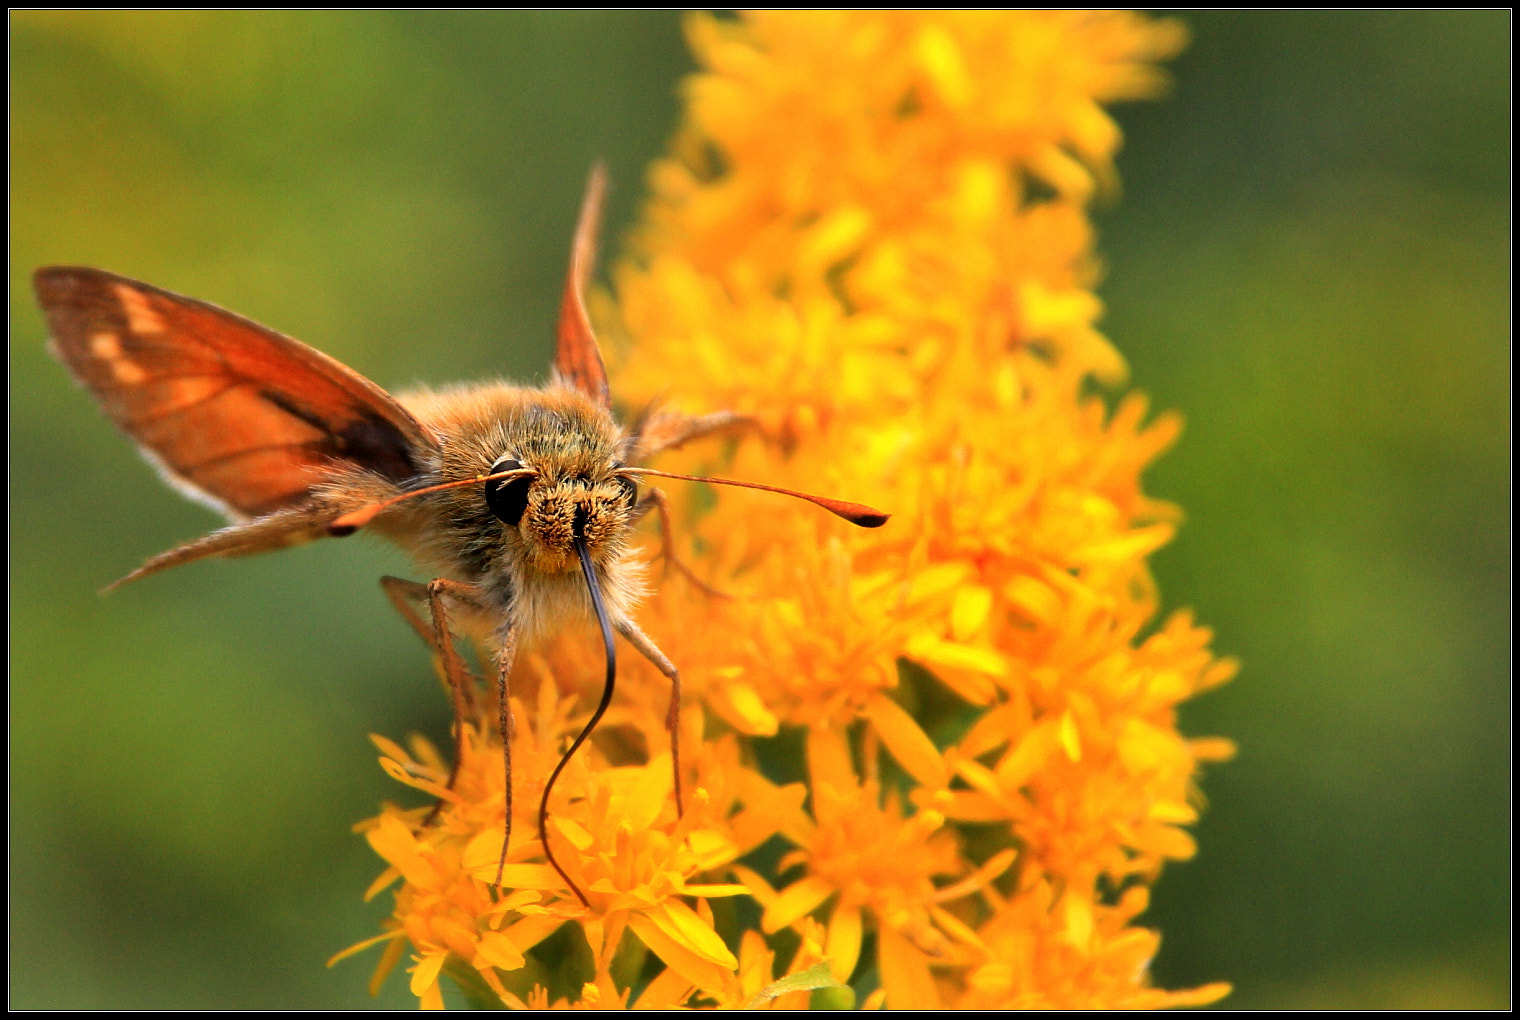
795, 901
912, 748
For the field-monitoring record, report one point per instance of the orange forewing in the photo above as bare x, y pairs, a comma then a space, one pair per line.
576, 357
231, 410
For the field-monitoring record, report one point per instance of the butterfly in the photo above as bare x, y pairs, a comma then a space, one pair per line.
521, 500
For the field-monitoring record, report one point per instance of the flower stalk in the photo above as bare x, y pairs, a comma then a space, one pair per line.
936, 762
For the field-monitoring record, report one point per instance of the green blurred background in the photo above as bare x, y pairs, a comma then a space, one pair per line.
1310, 260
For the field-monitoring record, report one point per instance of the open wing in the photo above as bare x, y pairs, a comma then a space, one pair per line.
576, 357
235, 414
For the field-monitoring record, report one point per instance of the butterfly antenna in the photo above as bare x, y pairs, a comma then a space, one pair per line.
856, 513
596, 717
352, 521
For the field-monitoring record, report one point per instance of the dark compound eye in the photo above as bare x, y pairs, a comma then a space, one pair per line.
630, 489
508, 497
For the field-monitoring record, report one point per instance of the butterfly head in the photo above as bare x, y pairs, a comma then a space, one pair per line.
560, 480
552, 503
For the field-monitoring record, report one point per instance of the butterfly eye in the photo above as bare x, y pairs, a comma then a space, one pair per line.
630, 489
508, 497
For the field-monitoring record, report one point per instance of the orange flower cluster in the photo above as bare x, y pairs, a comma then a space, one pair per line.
871, 239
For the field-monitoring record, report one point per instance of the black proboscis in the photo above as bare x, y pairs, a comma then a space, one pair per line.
601, 618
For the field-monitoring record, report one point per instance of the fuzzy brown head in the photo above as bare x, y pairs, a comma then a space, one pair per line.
551, 508
571, 486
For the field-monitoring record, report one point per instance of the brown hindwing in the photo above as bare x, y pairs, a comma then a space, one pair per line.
234, 411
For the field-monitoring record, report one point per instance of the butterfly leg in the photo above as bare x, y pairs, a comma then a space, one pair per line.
440, 639
654, 499
651, 651
402, 593
665, 430
505, 656
461, 681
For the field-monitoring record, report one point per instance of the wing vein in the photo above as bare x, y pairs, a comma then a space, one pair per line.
246, 451
157, 416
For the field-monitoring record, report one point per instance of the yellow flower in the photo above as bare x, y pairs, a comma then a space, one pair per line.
868, 862
871, 238
623, 846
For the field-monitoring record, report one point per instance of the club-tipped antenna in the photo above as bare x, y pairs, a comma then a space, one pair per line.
856, 513
596, 717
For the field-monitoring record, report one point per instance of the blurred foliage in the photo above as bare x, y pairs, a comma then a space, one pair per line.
1310, 261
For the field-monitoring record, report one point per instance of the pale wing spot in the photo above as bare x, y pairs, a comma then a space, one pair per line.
140, 314
106, 346
126, 372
